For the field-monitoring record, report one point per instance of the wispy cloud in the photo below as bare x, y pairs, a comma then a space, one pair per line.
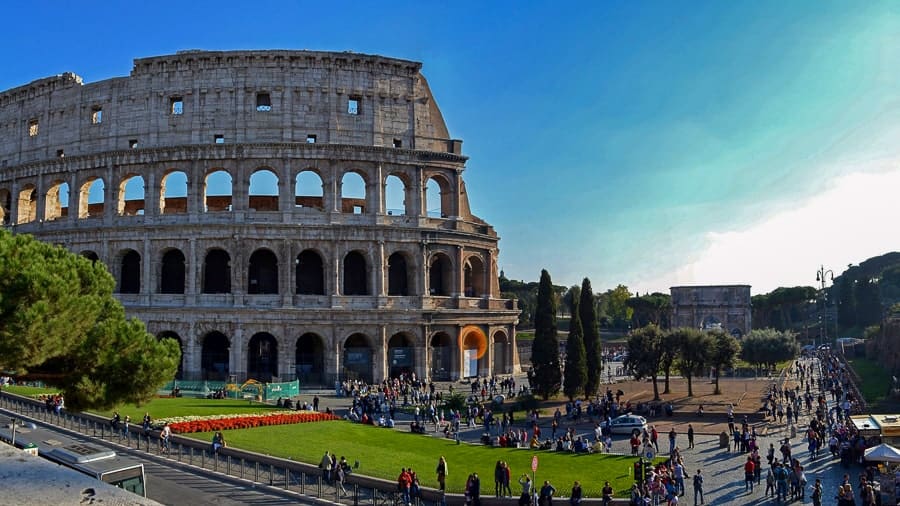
853, 218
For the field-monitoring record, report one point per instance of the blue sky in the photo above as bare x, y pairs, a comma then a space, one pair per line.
643, 143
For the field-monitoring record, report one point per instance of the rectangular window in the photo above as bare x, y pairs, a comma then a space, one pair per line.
220, 139
176, 106
96, 115
311, 139
263, 102
398, 143
60, 153
32, 128
353, 106
132, 143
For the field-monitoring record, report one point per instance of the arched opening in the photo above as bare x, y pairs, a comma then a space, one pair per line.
355, 279
710, 323
437, 198
214, 357
56, 203
441, 356
502, 353
217, 192
171, 278
130, 280
131, 196
217, 272
264, 190
353, 193
474, 346
474, 277
91, 198
172, 335
398, 276
309, 359
5, 206
27, 208
440, 276
308, 192
310, 273
262, 272
401, 356
395, 196
173, 193
358, 358
262, 357
90, 255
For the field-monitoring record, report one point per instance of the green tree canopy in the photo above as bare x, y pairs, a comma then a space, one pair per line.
767, 347
576, 361
696, 347
645, 355
590, 325
546, 375
724, 350
59, 323
617, 306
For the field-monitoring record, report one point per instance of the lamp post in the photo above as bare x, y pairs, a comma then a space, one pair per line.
821, 276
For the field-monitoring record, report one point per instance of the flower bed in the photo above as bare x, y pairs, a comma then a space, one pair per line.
188, 424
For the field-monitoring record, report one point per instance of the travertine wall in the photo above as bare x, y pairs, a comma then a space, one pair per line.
393, 287
725, 306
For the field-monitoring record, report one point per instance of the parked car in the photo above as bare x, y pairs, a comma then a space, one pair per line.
620, 357
624, 424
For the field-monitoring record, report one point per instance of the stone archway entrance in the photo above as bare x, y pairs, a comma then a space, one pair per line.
502, 353
401, 356
441, 357
358, 358
214, 360
309, 359
262, 357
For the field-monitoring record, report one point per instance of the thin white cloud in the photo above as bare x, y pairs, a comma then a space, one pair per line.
854, 218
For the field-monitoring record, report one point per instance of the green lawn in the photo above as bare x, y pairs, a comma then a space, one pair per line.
30, 391
382, 452
877, 380
184, 406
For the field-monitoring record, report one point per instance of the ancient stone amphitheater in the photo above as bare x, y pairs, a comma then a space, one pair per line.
281, 214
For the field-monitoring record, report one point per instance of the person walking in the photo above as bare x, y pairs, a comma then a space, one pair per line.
672, 436
698, 487
690, 435
525, 482
678, 473
607, 494
817, 493
441, 471
164, 435
325, 466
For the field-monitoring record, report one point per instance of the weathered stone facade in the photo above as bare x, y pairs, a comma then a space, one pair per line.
157, 174
725, 306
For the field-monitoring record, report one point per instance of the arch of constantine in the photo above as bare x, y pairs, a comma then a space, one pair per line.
282, 214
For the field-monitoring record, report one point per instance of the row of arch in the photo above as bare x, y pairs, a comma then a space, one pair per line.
307, 358
264, 194
310, 271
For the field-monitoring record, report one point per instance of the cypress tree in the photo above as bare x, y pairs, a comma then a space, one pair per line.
590, 325
576, 362
545, 375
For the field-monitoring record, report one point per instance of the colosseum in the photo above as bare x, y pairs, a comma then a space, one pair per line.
282, 214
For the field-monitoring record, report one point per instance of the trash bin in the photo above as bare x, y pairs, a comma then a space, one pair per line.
724, 441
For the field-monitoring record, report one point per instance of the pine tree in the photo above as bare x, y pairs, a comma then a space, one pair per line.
576, 362
590, 326
545, 376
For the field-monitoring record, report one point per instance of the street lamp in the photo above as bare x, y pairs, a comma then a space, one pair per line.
821, 276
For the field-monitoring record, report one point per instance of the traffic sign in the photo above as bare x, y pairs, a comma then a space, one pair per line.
648, 453
534, 463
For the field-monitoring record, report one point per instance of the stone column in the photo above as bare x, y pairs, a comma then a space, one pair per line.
415, 193
110, 197
146, 270
237, 354
192, 350
460, 280
376, 194
379, 272
286, 274
193, 269
74, 195
195, 184
152, 190
338, 270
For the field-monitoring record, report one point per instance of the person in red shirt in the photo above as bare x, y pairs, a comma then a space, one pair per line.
404, 481
635, 444
749, 476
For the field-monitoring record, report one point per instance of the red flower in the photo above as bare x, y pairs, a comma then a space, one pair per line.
244, 422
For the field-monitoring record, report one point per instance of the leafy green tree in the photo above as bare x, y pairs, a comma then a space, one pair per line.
645, 354
619, 311
725, 349
545, 376
587, 308
846, 302
767, 347
576, 361
653, 308
670, 347
59, 323
694, 357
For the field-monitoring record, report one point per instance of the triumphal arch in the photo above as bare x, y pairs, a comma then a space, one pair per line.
281, 214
